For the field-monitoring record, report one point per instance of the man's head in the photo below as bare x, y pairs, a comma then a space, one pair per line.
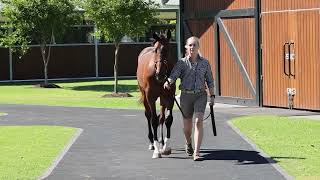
192, 46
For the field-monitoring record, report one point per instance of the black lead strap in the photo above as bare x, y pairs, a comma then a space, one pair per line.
175, 100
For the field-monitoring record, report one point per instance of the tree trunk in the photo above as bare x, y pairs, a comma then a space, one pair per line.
45, 73
45, 59
46, 56
115, 67
45, 65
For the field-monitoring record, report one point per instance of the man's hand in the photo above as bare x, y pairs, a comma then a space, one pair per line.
166, 85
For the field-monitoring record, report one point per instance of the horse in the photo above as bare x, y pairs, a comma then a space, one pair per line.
154, 67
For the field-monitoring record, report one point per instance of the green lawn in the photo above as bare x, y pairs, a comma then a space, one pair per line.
294, 143
27, 151
78, 94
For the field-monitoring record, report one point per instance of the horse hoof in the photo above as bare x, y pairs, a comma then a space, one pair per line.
156, 155
166, 151
151, 147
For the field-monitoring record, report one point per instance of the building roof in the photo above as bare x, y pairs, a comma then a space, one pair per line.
167, 4
170, 2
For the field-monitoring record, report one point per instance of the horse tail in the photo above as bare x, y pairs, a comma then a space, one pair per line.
142, 95
141, 99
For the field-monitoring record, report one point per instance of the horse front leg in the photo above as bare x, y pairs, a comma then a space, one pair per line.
166, 148
150, 135
147, 113
155, 124
161, 120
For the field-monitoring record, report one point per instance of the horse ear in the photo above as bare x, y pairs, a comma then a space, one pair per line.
168, 34
156, 37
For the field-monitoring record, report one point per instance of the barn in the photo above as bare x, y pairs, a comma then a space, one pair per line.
262, 52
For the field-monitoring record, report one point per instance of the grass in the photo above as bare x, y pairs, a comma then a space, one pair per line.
293, 143
27, 151
78, 94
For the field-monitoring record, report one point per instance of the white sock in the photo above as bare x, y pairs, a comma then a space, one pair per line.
166, 143
156, 146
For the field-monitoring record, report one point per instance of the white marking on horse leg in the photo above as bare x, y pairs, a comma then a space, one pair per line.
166, 150
166, 143
156, 152
156, 146
151, 147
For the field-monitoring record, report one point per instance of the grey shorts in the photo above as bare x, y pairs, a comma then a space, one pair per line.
193, 103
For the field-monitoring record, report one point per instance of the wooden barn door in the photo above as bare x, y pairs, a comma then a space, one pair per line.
290, 44
275, 35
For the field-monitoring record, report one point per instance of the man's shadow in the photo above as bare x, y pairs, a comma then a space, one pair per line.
243, 157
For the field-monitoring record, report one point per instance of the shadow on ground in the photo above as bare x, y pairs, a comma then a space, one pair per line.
106, 88
242, 157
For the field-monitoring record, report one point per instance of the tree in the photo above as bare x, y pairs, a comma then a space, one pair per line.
38, 21
117, 18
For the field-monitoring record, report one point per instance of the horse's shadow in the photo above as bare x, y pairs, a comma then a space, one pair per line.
242, 157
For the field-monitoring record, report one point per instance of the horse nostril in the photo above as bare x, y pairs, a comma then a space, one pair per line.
159, 78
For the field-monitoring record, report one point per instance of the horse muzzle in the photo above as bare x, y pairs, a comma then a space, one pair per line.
161, 77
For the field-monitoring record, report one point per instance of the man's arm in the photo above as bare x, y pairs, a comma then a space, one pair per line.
174, 75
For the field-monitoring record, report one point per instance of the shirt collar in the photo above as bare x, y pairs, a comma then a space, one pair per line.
198, 58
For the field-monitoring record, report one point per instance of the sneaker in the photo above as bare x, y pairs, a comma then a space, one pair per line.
189, 149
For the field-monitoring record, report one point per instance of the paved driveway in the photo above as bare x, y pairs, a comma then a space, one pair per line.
113, 145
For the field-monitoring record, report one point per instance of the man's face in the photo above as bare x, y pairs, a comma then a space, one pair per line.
192, 47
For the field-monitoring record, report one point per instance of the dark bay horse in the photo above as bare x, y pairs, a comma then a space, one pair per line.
154, 66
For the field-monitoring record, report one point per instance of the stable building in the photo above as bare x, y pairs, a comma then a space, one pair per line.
262, 52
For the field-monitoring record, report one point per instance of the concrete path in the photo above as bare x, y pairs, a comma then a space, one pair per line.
113, 145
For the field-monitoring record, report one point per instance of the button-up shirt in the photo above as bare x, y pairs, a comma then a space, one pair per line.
193, 75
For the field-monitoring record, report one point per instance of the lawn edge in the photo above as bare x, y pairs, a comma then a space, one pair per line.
61, 154
263, 154
3, 114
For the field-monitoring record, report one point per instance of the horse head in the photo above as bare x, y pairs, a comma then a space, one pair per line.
162, 50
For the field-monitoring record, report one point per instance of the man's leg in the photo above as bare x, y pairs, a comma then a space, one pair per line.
198, 132
187, 129
186, 102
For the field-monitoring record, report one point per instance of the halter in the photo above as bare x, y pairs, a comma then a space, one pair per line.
165, 62
159, 44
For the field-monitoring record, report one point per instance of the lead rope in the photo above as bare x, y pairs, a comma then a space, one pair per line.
207, 117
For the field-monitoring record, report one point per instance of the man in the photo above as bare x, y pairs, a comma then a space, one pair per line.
195, 73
